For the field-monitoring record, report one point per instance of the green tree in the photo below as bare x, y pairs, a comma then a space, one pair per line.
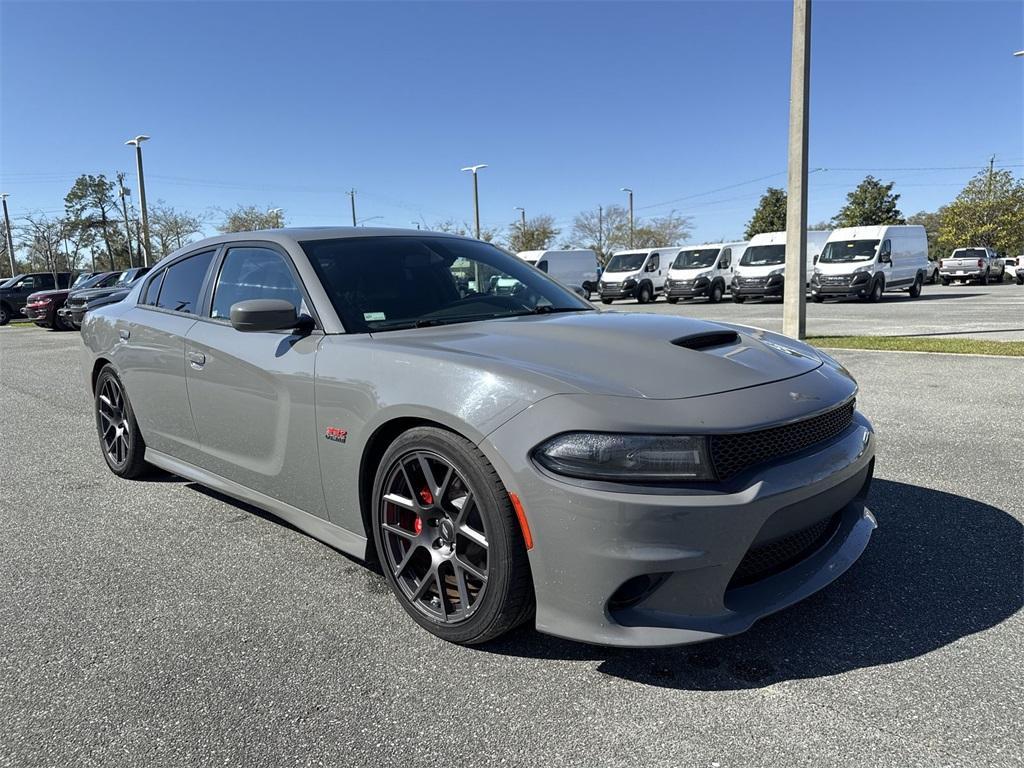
989, 211
536, 235
872, 202
248, 218
769, 215
931, 223
90, 207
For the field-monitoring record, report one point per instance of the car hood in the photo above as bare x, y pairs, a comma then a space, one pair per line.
44, 294
616, 353
94, 293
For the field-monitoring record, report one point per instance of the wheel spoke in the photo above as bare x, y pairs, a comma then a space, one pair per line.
401, 501
399, 531
469, 568
464, 505
473, 535
405, 560
460, 580
440, 593
421, 589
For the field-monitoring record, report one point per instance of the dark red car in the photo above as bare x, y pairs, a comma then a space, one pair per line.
41, 307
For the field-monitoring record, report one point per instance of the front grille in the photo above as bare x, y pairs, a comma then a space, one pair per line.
776, 556
610, 286
834, 279
731, 454
76, 302
753, 281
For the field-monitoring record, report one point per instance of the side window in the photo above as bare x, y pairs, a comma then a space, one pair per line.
542, 265
726, 259
653, 263
44, 282
153, 289
253, 273
27, 283
183, 282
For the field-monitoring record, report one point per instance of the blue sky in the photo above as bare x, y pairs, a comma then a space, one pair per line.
290, 104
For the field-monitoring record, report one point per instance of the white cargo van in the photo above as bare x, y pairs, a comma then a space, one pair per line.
761, 270
702, 270
636, 274
865, 261
577, 269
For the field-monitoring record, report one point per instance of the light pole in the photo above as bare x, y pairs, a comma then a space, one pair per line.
630, 191
274, 214
137, 143
7, 232
522, 222
794, 306
352, 198
1018, 53
476, 194
362, 222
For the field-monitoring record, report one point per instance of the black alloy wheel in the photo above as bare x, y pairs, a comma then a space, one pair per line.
447, 538
120, 439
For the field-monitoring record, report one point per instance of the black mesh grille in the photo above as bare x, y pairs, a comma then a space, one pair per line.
769, 559
733, 453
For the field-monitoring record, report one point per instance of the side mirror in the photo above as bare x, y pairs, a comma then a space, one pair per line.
885, 258
254, 315
651, 267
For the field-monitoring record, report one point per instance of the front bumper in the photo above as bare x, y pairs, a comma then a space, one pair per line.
753, 287
688, 288
961, 274
37, 314
590, 539
858, 285
618, 291
72, 315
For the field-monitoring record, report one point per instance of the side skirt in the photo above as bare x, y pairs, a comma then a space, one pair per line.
323, 530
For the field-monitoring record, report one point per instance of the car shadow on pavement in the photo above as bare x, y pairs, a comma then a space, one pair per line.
940, 567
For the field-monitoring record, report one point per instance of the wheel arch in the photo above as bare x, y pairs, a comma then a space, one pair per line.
97, 366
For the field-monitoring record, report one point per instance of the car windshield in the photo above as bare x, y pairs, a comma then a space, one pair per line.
842, 251
625, 262
703, 257
85, 280
390, 283
763, 255
9, 281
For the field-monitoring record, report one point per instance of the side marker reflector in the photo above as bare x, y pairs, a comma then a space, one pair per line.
524, 526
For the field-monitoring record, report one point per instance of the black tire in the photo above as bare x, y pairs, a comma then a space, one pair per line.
934, 278
5, 314
945, 281
716, 292
127, 459
876, 291
983, 280
915, 289
738, 299
505, 598
817, 299
606, 301
672, 299
1020, 281
59, 323
644, 293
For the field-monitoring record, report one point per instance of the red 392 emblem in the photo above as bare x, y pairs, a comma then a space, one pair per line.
336, 434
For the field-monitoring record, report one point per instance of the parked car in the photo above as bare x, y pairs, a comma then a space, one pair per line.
964, 264
43, 307
865, 262
1019, 271
79, 301
15, 292
703, 270
618, 478
573, 269
933, 271
761, 271
638, 274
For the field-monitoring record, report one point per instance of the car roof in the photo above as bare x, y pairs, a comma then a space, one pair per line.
302, 234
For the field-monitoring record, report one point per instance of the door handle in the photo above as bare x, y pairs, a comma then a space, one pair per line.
124, 334
196, 359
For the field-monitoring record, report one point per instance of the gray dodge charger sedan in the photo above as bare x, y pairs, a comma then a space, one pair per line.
505, 452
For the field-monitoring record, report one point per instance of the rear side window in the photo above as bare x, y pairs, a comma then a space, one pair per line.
254, 273
153, 289
45, 282
183, 282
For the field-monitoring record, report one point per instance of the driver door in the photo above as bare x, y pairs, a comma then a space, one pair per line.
252, 392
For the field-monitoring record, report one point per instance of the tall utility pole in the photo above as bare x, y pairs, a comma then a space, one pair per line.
137, 143
127, 224
352, 198
474, 169
7, 232
600, 229
794, 305
630, 191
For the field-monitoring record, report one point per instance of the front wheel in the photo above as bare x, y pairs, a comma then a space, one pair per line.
738, 299
672, 299
448, 539
120, 439
644, 294
817, 299
717, 291
876, 292
606, 301
5, 315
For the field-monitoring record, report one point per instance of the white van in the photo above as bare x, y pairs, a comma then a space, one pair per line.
760, 271
865, 261
636, 274
702, 270
577, 270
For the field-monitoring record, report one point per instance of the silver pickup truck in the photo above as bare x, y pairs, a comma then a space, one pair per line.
981, 264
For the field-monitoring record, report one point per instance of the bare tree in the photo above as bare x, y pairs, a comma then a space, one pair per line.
246, 218
171, 229
536, 235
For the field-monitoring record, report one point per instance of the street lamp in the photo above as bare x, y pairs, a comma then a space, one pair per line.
476, 194
7, 230
630, 191
522, 212
352, 198
137, 143
1018, 53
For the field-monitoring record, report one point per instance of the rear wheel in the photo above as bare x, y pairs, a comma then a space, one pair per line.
716, 293
983, 280
945, 281
120, 439
447, 538
915, 289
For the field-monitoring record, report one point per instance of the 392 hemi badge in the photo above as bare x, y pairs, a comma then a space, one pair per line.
336, 434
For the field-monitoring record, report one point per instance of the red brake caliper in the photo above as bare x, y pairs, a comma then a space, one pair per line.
427, 498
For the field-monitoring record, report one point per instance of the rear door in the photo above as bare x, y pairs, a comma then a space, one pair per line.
252, 392
151, 354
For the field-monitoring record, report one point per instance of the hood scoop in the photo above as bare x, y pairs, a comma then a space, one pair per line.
707, 339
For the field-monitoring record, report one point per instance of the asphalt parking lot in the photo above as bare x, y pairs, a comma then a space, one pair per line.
155, 623
992, 312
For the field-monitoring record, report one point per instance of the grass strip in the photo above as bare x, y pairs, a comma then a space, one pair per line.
955, 346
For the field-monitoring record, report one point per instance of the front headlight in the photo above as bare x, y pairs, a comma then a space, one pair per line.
629, 283
626, 458
817, 272
866, 268
778, 271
